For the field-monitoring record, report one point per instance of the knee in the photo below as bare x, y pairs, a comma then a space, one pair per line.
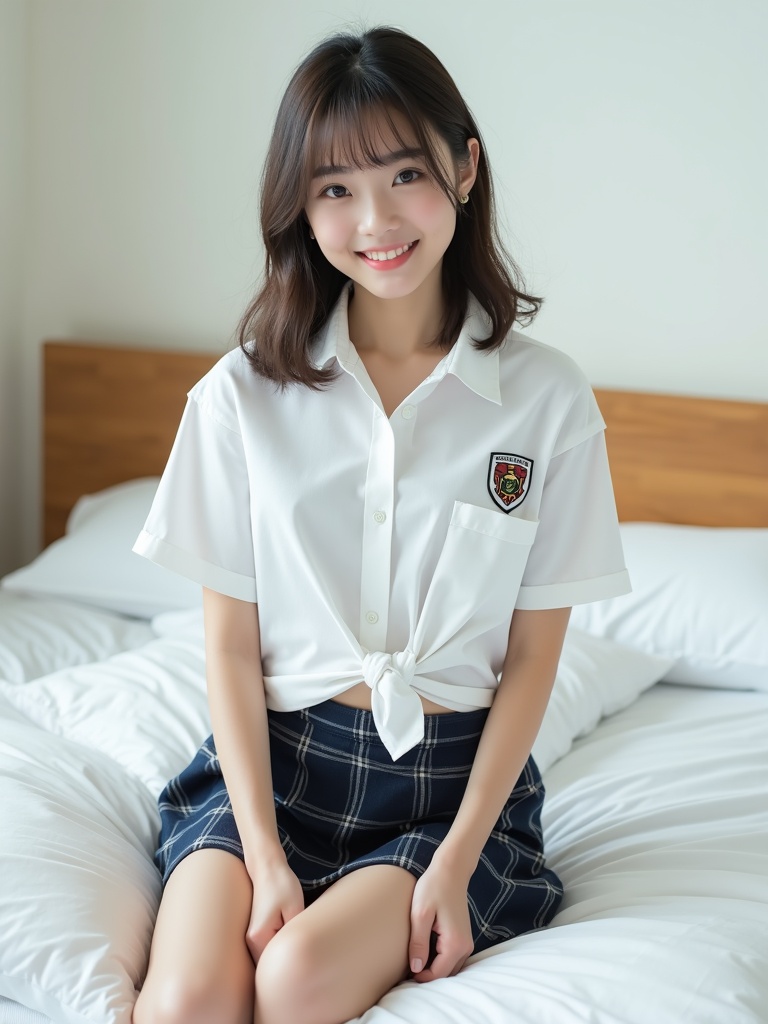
197, 1000
291, 978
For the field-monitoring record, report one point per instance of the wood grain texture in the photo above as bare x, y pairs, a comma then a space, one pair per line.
111, 414
679, 459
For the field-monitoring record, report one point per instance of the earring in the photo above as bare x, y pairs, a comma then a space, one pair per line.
312, 234
464, 199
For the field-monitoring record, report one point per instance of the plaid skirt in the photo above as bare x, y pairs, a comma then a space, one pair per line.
342, 803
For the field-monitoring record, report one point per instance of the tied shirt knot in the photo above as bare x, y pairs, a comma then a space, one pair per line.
397, 711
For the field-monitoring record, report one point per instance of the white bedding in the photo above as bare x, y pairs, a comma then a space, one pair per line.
656, 819
656, 816
14, 1013
38, 636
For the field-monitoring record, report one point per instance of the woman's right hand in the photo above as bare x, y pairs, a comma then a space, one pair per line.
277, 897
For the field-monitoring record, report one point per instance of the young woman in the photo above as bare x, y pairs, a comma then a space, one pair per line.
367, 490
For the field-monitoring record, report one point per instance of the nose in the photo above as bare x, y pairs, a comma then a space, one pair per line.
377, 215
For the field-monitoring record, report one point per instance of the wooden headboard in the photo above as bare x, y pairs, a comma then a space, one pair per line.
678, 459
111, 414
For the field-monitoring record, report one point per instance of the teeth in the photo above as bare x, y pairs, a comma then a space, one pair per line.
390, 254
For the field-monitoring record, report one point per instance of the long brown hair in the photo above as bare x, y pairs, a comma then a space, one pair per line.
332, 105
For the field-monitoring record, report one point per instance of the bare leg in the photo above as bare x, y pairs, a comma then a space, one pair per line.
199, 967
339, 956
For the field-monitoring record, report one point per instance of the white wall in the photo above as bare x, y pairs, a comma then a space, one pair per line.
12, 195
627, 140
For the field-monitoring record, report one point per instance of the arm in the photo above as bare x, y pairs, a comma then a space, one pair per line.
439, 902
239, 717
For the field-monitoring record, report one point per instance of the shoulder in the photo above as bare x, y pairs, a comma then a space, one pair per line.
230, 383
549, 365
228, 371
549, 383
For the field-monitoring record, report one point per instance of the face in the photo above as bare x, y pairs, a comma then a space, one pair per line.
387, 228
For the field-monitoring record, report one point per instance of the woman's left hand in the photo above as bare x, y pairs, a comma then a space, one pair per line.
439, 905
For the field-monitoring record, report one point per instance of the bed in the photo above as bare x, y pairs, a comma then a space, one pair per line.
653, 748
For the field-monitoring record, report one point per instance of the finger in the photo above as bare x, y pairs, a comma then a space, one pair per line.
262, 929
418, 946
449, 960
439, 968
257, 940
459, 967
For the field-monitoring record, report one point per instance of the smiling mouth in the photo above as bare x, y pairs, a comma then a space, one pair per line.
385, 255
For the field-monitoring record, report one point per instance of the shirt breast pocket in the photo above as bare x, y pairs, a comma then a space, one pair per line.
477, 577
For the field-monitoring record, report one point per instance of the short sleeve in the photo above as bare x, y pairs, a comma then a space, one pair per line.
577, 556
199, 524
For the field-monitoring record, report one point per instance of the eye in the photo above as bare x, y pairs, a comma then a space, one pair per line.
335, 191
407, 176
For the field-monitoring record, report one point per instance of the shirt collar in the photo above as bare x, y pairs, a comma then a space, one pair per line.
332, 341
477, 369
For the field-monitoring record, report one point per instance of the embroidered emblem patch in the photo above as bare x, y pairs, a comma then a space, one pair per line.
509, 477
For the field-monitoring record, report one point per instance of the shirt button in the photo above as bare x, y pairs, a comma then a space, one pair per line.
380, 517
408, 412
372, 617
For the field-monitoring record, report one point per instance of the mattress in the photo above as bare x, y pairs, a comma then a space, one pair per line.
656, 821
656, 816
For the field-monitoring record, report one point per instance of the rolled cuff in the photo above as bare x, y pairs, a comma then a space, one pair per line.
565, 595
223, 581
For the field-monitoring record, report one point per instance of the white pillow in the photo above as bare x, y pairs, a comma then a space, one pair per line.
595, 678
94, 564
79, 891
700, 595
38, 637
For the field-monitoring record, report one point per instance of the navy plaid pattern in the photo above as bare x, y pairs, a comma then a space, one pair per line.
342, 804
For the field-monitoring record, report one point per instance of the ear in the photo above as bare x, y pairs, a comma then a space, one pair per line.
468, 170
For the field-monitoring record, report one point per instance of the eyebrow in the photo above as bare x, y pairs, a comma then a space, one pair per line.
409, 153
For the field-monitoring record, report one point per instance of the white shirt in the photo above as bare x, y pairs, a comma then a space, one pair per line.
392, 550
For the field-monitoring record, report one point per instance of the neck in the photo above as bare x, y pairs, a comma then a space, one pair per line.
398, 327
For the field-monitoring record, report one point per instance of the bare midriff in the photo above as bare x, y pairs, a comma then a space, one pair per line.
359, 696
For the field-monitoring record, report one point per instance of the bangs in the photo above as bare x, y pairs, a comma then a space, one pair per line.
357, 102
356, 134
